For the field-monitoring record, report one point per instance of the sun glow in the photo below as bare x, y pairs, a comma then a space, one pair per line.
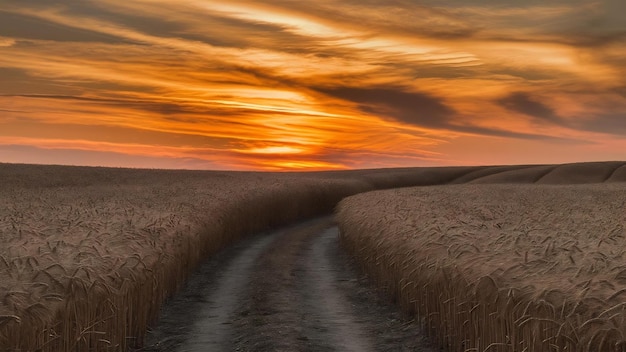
274, 150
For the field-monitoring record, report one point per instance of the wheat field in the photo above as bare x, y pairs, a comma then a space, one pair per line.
89, 255
499, 267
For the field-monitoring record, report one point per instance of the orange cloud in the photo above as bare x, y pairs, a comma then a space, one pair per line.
333, 84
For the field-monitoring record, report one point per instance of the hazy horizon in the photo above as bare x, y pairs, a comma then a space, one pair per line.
283, 85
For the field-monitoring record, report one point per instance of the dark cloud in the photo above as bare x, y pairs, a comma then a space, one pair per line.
156, 107
621, 91
501, 3
423, 110
611, 123
9, 73
528, 105
142, 22
20, 26
592, 25
581, 39
512, 134
22, 82
413, 108
18, 81
614, 124
211, 28
580, 23
164, 108
185, 112
537, 74
226, 31
605, 20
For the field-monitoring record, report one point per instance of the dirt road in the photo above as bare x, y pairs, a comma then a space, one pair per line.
289, 290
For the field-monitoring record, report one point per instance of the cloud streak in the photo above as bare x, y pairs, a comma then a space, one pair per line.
327, 84
525, 104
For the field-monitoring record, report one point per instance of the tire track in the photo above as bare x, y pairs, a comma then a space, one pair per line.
291, 290
198, 318
211, 331
271, 316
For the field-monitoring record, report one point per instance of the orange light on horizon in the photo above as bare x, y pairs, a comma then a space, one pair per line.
303, 165
273, 150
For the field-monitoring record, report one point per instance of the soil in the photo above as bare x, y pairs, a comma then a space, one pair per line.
289, 290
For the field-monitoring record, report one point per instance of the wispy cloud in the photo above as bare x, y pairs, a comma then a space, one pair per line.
324, 84
6, 42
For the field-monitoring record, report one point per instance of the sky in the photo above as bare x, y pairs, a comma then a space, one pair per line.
310, 85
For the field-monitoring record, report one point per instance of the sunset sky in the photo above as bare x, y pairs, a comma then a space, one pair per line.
325, 84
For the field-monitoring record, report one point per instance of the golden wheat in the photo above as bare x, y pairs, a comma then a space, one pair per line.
124, 240
499, 267
88, 255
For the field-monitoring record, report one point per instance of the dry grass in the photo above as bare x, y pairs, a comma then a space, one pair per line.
500, 267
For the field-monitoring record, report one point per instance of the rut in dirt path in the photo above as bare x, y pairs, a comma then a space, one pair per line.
290, 290
198, 317
211, 331
294, 303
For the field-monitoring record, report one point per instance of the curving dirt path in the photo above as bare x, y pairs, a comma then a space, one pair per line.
289, 290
